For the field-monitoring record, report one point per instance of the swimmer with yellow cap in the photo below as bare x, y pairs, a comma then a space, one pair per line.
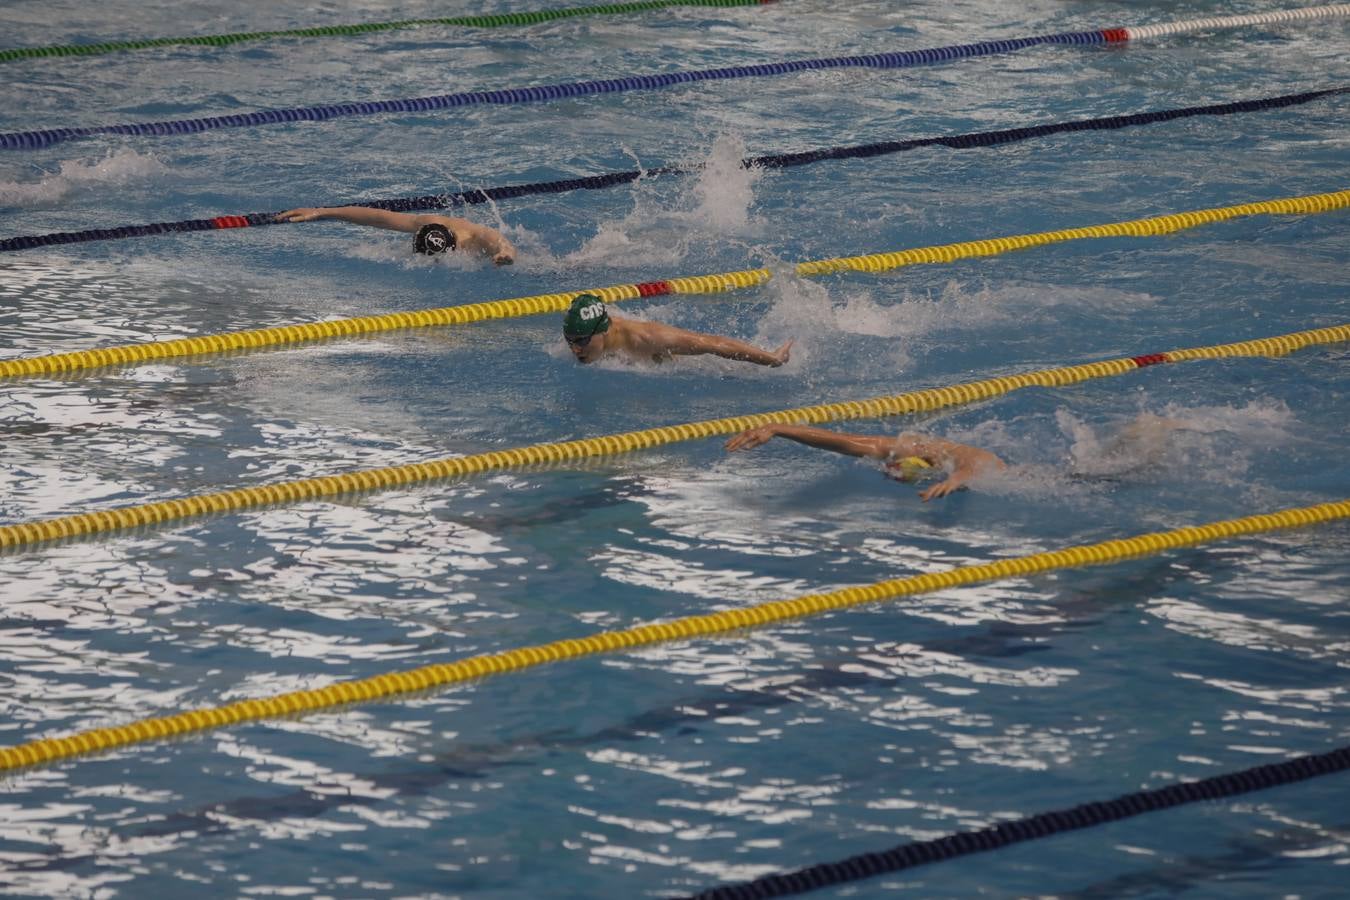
591, 333
906, 457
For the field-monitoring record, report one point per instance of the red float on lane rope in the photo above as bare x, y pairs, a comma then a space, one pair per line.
654, 288
1149, 359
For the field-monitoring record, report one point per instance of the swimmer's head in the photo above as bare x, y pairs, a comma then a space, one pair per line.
586, 318
434, 238
910, 468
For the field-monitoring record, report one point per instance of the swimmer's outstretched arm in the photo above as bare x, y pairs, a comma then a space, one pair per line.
668, 340
966, 462
477, 238
822, 438
357, 215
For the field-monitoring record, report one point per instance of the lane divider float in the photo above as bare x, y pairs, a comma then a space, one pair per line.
309, 332
27, 140
973, 140
238, 499
1013, 831
424, 678
494, 21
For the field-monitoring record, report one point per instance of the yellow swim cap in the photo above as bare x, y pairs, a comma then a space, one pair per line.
908, 468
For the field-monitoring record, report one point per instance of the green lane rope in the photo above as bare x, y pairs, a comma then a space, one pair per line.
497, 21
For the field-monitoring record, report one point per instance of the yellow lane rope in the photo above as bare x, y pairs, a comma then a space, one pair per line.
128, 354
26, 533
439, 675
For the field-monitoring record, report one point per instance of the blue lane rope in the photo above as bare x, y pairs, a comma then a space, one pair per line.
963, 843
23, 140
779, 161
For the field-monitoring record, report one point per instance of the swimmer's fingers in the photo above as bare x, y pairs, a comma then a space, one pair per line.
941, 489
747, 440
783, 352
297, 215
739, 442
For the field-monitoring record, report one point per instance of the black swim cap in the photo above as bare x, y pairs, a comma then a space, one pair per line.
434, 238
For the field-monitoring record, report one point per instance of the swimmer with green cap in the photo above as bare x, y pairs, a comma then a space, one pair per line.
592, 332
905, 456
433, 234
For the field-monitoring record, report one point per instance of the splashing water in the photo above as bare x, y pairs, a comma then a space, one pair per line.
1214, 445
804, 311
715, 209
725, 188
1197, 440
118, 168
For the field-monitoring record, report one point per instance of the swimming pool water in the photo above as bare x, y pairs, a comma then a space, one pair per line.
681, 767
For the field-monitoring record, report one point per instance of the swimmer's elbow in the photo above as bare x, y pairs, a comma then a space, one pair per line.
974, 462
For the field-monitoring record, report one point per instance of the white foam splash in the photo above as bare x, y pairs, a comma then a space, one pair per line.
805, 306
817, 316
725, 189
1211, 445
717, 207
1188, 439
118, 168
805, 311
959, 307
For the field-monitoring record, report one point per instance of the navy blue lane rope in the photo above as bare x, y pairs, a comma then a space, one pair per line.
23, 140
778, 161
962, 843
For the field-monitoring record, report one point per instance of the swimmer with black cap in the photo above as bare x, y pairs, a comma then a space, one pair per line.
906, 457
592, 332
432, 234
434, 238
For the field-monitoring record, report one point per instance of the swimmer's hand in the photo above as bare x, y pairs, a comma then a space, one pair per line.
747, 440
781, 356
970, 463
942, 488
505, 258
303, 214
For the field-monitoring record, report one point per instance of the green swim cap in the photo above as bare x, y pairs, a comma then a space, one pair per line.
587, 316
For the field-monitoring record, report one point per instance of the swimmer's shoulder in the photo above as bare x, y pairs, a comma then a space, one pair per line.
454, 222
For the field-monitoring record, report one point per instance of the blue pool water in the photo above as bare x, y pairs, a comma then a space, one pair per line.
688, 765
